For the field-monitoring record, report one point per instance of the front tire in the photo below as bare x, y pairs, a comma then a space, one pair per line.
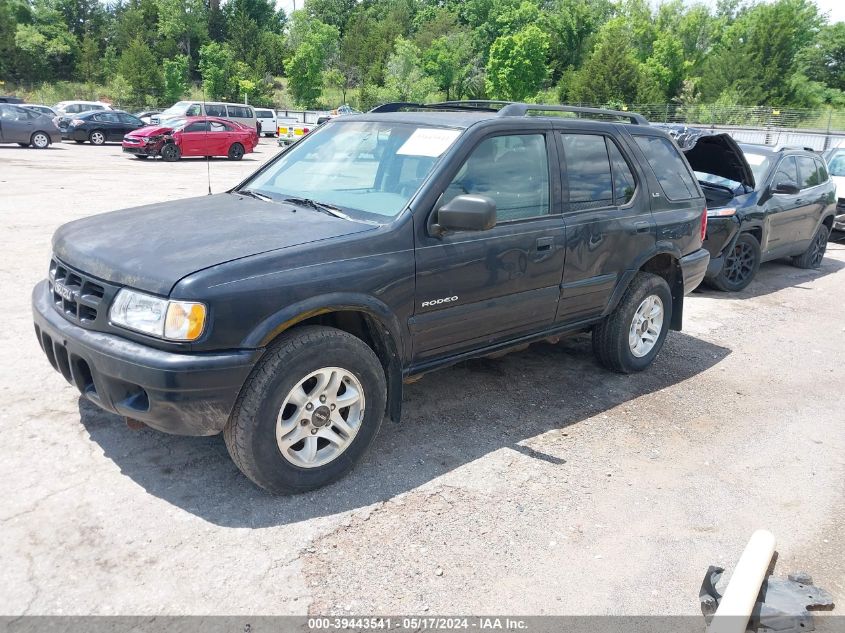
740, 266
97, 137
236, 151
170, 153
630, 338
308, 412
813, 256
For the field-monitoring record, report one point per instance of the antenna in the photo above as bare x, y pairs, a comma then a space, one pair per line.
207, 126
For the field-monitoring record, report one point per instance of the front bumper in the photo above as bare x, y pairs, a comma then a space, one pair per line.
141, 150
693, 269
184, 394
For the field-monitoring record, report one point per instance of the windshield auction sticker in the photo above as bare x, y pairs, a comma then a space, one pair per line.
427, 141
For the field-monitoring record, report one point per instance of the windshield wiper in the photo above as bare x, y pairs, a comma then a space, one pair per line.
318, 206
254, 194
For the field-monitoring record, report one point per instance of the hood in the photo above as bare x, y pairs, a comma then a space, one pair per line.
153, 247
711, 152
151, 130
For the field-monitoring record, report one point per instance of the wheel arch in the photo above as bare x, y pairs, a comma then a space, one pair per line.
663, 263
363, 317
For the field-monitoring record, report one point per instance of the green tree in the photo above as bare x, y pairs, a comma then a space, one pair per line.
314, 43
175, 74
185, 21
89, 65
404, 78
450, 61
45, 48
215, 65
611, 72
139, 66
824, 59
516, 67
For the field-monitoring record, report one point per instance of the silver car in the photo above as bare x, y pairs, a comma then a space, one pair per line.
27, 127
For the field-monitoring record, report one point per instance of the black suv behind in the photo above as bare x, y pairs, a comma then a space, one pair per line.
288, 312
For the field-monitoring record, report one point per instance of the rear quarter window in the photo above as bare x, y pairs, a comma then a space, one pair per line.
239, 112
669, 167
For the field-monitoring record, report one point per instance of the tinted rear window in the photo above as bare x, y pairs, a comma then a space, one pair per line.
239, 112
812, 173
669, 167
264, 114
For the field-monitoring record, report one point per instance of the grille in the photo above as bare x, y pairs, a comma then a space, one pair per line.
77, 296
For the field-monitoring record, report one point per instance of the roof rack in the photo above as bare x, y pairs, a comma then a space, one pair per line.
444, 106
522, 109
781, 148
509, 108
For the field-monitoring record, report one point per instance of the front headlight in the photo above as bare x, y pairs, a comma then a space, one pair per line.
163, 318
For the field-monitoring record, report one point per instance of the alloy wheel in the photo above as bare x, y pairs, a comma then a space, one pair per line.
320, 417
646, 326
40, 140
739, 263
98, 138
819, 246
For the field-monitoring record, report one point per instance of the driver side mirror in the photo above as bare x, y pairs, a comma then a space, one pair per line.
468, 212
787, 187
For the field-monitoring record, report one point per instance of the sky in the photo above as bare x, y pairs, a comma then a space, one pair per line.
834, 8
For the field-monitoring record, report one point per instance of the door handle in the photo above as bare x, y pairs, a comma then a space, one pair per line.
642, 227
545, 243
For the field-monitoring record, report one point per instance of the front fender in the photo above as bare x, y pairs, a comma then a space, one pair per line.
292, 314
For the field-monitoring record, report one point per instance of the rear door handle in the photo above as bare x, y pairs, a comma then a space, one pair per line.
642, 227
545, 243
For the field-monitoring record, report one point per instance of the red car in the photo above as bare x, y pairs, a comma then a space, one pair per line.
191, 136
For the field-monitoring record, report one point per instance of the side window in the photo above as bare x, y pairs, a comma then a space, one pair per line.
198, 126
810, 173
193, 110
588, 171
94, 106
624, 184
214, 126
822, 170
513, 170
669, 167
787, 171
129, 119
214, 109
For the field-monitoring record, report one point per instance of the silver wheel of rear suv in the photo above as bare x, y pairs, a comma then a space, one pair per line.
646, 326
320, 417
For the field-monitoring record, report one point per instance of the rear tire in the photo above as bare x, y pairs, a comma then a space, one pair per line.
236, 152
629, 338
40, 140
266, 427
141, 157
813, 256
170, 153
80, 142
24, 144
740, 266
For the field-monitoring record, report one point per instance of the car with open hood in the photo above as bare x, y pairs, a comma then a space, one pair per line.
288, 312
764, 203
191, 136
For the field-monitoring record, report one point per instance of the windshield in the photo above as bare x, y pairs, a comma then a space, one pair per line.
368, 167
836, 166
177, 108
759, 164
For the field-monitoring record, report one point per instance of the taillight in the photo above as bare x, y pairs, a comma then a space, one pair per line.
704, 224
305, 130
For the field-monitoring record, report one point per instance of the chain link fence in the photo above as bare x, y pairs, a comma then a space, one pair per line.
764, 125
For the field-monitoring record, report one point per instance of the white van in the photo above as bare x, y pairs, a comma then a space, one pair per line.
267, 119
240, 113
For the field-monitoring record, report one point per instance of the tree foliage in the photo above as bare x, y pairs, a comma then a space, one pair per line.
748, 52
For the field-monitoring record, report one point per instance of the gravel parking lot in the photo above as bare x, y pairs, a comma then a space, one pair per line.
537, 483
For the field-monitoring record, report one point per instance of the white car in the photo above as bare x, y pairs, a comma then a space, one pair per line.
75, 107
267, 119
836, 167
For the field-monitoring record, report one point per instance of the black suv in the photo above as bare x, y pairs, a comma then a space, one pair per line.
288, 312
764, 203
